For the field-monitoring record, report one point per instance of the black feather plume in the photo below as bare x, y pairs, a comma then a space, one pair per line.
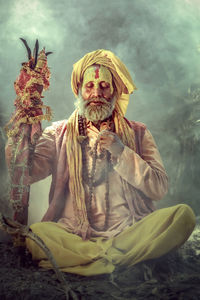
27, 48
35, 53
47, 53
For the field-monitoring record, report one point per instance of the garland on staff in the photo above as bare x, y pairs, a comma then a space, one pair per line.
24, 128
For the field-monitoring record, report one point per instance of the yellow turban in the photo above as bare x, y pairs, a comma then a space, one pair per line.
121, 76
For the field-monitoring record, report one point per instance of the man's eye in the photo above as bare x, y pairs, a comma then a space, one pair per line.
105, 85
89, 85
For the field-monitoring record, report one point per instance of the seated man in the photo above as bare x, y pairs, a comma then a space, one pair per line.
106, 173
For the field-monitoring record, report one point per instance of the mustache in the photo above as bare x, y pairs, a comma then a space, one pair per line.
98, 99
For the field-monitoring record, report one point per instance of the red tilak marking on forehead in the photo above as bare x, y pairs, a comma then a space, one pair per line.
97, 72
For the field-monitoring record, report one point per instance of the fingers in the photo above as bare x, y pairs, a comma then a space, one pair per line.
110, 141
105, 134
105, 143
106, 146
102, 133
106, 140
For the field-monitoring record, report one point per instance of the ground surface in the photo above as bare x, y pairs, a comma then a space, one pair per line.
176, 276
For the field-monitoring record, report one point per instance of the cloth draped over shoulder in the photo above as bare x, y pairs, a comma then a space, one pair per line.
124, 87
121, 76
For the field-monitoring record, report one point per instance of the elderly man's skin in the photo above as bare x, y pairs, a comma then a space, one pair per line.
108, 140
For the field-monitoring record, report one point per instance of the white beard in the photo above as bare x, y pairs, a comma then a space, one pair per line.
95, 113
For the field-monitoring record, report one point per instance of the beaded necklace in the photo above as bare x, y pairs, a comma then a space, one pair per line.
89, 176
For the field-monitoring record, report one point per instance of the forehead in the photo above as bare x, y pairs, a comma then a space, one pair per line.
97, 73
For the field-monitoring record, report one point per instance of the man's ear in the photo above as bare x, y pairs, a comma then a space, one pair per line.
79, 86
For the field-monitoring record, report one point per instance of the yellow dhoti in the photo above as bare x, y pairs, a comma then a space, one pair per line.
155, 235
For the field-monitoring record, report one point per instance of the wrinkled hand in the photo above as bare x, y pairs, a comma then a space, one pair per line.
110, 141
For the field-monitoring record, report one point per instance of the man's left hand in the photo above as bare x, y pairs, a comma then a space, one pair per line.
110, 141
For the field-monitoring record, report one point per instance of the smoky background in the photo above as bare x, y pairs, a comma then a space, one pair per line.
159, 42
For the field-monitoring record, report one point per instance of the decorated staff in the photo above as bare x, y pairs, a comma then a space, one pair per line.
25, 127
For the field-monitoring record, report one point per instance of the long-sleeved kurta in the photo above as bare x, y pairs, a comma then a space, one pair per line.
135, 181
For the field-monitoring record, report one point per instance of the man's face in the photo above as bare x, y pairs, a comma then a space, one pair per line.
97, 83
96, 102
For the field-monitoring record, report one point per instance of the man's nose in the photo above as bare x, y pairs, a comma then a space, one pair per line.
96, 92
